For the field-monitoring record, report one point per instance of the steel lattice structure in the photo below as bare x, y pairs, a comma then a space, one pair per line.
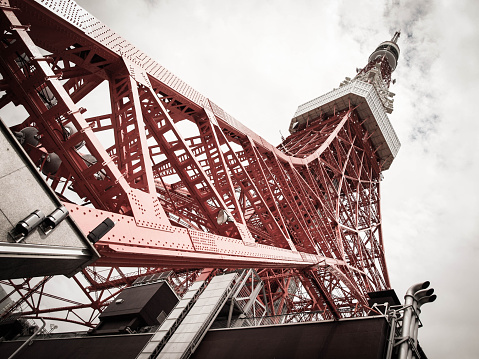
305, 214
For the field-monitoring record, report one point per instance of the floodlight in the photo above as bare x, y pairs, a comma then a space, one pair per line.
223, 217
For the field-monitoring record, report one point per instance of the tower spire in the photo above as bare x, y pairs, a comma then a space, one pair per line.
369, 87
381, 64
385, 58
396, 36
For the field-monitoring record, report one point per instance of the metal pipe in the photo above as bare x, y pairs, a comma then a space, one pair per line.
29, 339
407, 317
423, 293
423, 300
428, 299
418, 286
414, 331
392, 334
421, 297
413, 327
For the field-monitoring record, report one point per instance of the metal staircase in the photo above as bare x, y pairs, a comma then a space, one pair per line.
189, 321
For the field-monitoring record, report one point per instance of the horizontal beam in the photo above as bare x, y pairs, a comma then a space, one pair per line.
177, 247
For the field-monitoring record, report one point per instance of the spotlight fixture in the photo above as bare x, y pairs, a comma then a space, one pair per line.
27, 225
54, 218
223, 217
30, 136
69, 130
51, 164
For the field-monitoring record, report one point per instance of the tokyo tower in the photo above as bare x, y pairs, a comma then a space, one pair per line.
167, 185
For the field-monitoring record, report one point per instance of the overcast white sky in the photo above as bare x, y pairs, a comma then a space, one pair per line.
259, 60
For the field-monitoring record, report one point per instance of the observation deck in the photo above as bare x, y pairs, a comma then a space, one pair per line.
370, 108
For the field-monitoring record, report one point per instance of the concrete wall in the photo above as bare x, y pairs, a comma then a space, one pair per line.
22, 191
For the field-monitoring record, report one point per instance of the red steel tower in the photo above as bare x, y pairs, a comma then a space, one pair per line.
187, 185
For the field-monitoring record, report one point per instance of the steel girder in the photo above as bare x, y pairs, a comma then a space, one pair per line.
305, 214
